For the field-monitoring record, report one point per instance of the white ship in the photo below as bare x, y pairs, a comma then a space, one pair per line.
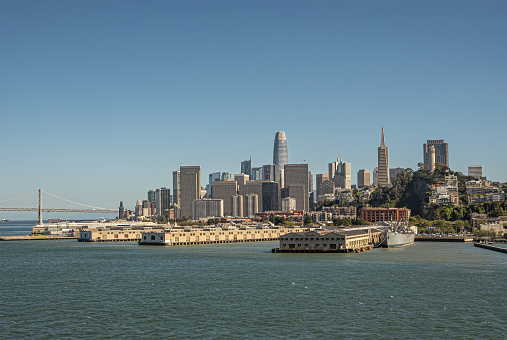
398, 236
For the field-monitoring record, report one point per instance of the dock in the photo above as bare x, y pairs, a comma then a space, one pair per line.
420, 238
490, 247
325, 251
36, 237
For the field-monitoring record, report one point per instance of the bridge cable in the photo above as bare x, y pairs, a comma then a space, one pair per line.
10, 199
63, 199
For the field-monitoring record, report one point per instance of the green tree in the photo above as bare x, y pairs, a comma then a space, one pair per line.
308, 220
459, 226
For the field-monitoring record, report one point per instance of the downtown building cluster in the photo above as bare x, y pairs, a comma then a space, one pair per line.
277, 187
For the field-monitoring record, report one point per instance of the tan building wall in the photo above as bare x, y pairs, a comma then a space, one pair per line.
201, 236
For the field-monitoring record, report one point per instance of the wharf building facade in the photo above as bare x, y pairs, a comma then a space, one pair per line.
383, 162
345, 240
280, 151
191, 236
441, 152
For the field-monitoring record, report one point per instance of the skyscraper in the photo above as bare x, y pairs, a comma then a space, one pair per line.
320, 178
246, 167
224, 190
295, 175
237, 205
162, 201
280, 152
441, 152
363, 178
121, 211
270, 196
270, 172
151, 196
475, 171
176, 186
340, 173
190, 188
251, 205
383, 162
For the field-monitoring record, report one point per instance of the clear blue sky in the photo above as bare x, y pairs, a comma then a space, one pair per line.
102, 100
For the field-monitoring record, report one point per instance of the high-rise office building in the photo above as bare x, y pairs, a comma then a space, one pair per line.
297, 174
237, 206
162, 201
207, 207
121, 211
224, 190
241, 179
138, 209
176, 186
252, 187
256, 174
214, 176
281, 178
341, 174
190, 188
441, 152
394, 172
319, 179
246, 167
270, 196
475, 171
151, 196
280, 151
270, 173
383, 162
288, 203
363, 178
251, 205
310, 181
146, 208
375, 176
297, 192
326, 187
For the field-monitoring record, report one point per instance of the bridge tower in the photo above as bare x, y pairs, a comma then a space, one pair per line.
39, 222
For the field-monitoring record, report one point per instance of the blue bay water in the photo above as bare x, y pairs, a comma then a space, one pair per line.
67, 289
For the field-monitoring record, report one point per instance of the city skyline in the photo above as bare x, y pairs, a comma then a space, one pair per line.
103, 113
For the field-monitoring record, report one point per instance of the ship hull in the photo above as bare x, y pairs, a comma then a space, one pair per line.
397, 239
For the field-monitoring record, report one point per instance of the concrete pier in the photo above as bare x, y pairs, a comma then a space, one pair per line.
420, 238
490, 247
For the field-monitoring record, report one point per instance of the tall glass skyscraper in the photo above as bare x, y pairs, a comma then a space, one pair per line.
280, 152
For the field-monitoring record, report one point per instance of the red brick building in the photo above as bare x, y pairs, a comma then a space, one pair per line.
375, 215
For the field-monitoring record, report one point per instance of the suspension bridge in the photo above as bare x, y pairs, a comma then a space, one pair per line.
88, 210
